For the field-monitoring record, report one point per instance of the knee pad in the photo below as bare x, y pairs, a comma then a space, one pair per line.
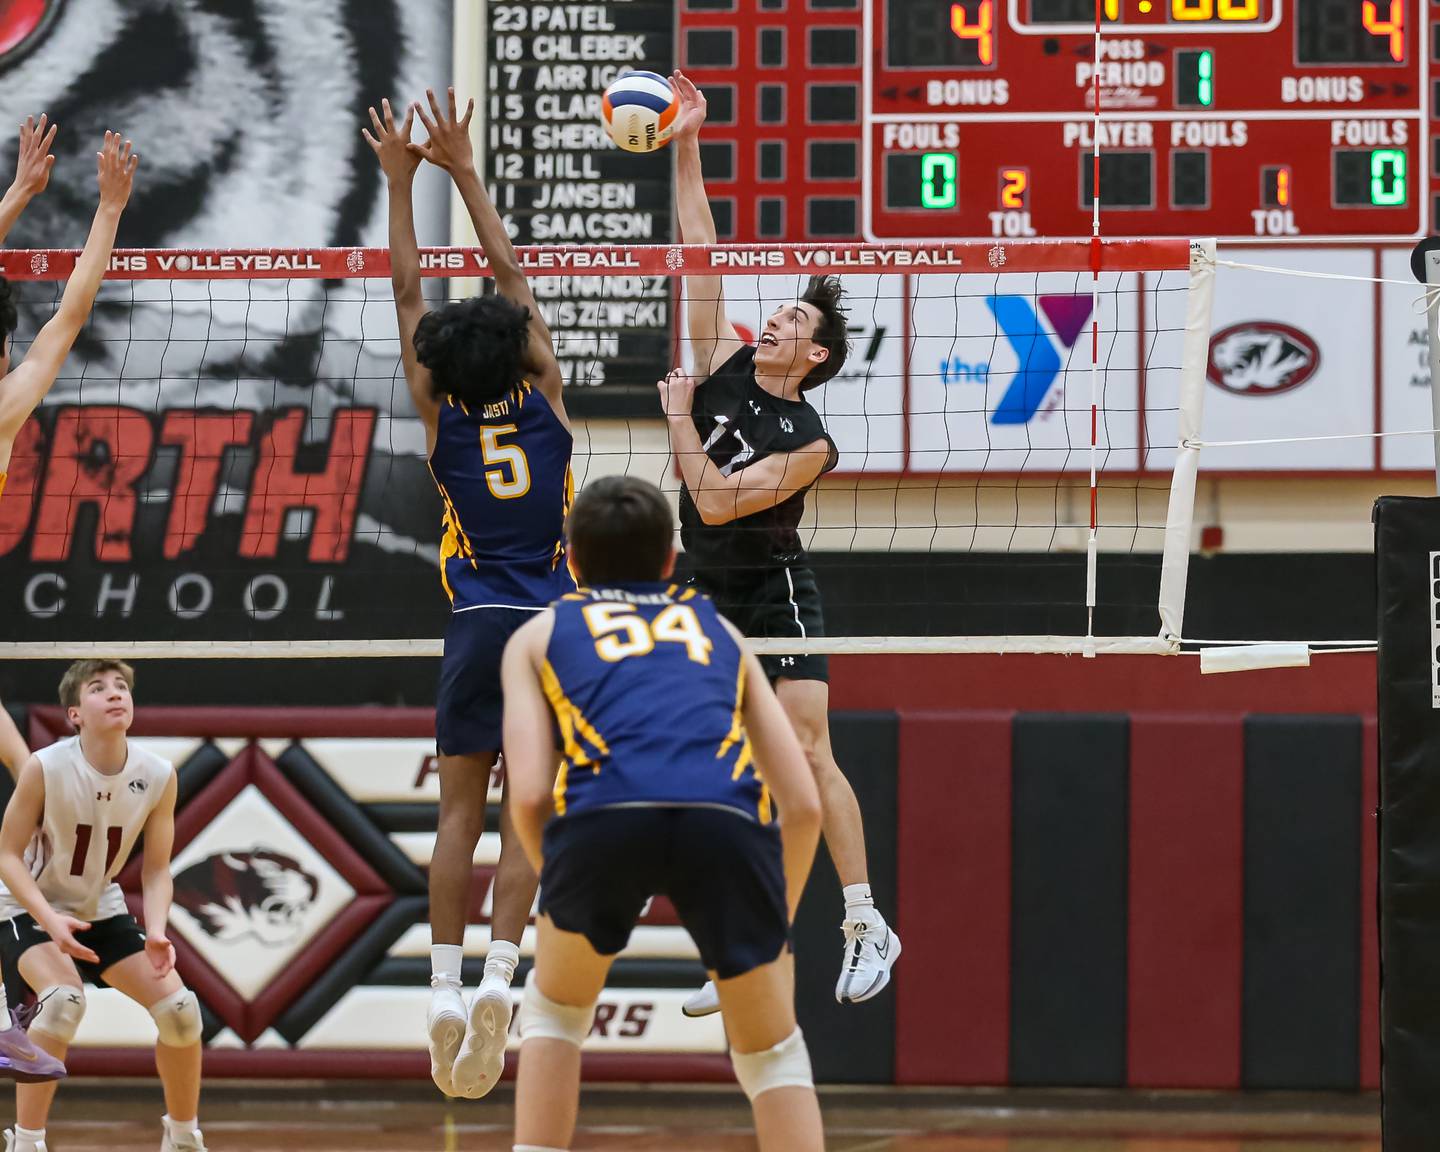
177, 1019
62, 1007
787, 1065
543, 1019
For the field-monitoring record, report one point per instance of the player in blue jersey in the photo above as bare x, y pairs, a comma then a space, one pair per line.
673, 746
483, 375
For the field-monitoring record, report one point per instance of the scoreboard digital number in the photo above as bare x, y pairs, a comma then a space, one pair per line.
1273, 118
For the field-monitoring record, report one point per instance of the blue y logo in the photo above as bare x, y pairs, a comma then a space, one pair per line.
1039, 359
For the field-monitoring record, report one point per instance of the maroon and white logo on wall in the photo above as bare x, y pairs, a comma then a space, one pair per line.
1262, 358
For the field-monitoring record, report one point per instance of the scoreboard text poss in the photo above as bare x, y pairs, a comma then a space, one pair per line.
1235, 118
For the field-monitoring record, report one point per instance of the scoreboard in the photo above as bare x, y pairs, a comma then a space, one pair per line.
1270, 120
1230, 118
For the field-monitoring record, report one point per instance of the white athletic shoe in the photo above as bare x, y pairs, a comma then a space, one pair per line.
445, 1025
870, 952
705, 1001
12, 1144
189, 1142
482, 1055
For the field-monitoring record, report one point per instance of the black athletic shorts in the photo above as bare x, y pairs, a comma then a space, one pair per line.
113, 939
782, 602
722, 871
468, 710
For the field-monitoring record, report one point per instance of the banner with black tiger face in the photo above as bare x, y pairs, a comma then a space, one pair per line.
222, 459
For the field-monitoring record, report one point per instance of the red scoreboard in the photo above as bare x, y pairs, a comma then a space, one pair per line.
1243, 119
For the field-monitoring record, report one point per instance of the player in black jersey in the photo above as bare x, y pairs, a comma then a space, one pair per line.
749, 447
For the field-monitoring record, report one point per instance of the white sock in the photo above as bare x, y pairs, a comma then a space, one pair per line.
180, 1127
445, 962
859, 905
27, 1139
502, 959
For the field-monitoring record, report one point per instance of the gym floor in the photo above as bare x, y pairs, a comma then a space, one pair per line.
121, 1116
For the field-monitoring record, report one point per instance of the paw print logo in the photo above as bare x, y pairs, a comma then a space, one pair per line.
39, 263
355, 261
997, 256
674, 258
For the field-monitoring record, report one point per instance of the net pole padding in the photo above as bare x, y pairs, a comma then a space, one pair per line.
983, 256
1180, 515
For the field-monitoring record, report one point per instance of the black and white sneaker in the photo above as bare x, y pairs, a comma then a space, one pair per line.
870, 952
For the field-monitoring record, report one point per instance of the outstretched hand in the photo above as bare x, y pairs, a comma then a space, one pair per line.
32, 168
692, 107
391, 145
449, 143
116, 166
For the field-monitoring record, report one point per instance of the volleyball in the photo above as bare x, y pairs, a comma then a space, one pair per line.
639, 109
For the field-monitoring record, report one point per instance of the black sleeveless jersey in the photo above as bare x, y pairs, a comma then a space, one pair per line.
740, 424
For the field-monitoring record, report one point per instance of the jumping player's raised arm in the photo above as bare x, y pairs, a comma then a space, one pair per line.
449, 148
713, 339
529, 735
27, 385
391, 147
32, 171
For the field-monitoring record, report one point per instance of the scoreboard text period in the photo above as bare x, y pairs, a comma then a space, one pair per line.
1231, 118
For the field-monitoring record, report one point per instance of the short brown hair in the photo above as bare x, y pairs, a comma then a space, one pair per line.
621, 531
82, 672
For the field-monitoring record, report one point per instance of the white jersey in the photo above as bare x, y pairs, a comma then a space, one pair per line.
89, 825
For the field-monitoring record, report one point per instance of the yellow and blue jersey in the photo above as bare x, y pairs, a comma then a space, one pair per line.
503, 470
647, 687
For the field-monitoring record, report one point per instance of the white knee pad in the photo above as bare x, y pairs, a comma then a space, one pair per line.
542, 1018
787, 1065
62, 1007
177, 1019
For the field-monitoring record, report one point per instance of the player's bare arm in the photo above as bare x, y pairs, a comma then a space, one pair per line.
32, 171
23, 815
713, 339
529, 735
156, 885
391, 147
785, 770
720, 498
27, 384
449, 148
13, 749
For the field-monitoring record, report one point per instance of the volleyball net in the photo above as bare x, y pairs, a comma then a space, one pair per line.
230, 464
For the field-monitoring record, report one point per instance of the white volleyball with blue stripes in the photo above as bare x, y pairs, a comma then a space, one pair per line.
639, 110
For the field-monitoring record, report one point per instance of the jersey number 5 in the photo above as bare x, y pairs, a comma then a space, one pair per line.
83, 834
620, 632
507, 471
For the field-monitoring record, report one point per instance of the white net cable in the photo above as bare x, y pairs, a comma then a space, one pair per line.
230, 465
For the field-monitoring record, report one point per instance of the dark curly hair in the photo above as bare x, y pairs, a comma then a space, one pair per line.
825, 294
9, 317
475, 349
